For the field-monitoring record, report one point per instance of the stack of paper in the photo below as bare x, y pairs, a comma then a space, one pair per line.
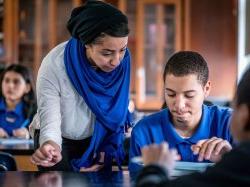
14, 141
183, 168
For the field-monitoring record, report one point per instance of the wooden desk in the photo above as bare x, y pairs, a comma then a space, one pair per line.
21, 150
64, 179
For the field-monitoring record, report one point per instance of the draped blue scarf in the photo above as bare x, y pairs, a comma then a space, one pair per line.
107, 95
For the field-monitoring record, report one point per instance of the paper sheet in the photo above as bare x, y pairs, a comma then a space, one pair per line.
14, 141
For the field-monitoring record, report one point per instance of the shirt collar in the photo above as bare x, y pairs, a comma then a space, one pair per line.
201, 133
203, 130
18, 109
171, 134
2, 104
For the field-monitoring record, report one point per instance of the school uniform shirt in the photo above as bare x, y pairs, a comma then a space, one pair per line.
11, 119
62, 111
158, 127
233, 170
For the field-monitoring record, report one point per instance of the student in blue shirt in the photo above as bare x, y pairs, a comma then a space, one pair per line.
17, 101
195, 130
233, 168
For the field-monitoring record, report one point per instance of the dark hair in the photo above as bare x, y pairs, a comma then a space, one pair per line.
243, 93
95, 19
29, 98
185, 63
116, 30
243, 90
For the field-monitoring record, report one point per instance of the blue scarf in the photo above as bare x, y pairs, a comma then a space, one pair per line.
107, 95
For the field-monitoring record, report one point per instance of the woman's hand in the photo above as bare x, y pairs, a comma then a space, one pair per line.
3, 133
21, 133
95, 167
47, 155
211, 149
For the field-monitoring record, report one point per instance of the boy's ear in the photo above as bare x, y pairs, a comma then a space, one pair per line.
207, 88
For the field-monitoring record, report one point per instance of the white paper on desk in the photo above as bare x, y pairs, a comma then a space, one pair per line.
184, 168
14, 141
192, 166
180, 165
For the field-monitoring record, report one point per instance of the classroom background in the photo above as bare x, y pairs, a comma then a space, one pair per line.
219, 30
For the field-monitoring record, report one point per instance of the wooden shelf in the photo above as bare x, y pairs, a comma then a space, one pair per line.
36, 26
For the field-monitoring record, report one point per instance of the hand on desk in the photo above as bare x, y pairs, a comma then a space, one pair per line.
211, 149
161, 155
95, 167
21, 133
47, 155
3, 133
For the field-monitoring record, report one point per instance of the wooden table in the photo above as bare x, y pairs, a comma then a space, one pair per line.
64, 179
21, 150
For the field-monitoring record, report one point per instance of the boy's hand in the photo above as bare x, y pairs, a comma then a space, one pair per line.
211, 149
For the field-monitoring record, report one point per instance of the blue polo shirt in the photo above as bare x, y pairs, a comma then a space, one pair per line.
158, 127
10, 120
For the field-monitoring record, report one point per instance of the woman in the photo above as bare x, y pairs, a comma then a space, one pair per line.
83, 92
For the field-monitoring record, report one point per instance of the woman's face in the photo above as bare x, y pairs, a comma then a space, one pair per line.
14, 86
108, 53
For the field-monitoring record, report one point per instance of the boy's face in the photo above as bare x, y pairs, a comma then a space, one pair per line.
184, 97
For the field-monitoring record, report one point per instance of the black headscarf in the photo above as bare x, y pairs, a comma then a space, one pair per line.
89, 21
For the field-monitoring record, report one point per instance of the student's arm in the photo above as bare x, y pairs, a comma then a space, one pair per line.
232, 170
159, 161
214, 148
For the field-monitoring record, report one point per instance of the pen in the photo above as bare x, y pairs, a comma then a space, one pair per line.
25, 123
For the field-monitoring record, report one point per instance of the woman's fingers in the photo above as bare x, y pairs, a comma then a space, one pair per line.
95, 167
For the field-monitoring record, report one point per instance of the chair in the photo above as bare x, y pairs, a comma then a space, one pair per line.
7, 162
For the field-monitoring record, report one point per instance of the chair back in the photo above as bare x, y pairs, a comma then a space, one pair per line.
7, 162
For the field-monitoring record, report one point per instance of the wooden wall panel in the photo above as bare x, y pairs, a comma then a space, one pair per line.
212, 30
11, 32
